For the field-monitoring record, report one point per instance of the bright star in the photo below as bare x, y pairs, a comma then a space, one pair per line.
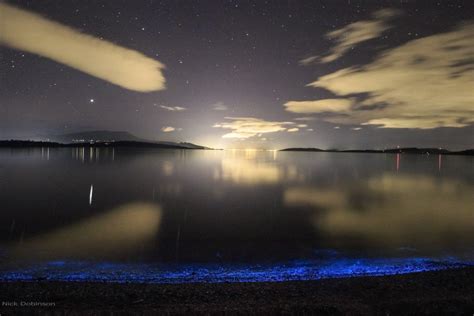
91, 100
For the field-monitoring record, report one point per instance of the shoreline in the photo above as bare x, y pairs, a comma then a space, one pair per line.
26, 144
448, 291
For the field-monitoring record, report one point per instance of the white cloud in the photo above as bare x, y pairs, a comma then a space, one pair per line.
350, 35
309, 60
172, 108
168, 129
220, 106
30, 32
425, 83
292, 130
306, 118
319, 106
246, 127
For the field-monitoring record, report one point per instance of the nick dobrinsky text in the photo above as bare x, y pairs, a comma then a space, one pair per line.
27, 304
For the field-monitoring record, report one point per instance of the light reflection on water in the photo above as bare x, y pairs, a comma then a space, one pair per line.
180, 207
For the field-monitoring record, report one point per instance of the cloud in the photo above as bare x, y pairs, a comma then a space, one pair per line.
292, 130
172, 108
246, 127
168, 129
425, 83
220, 106
350, 35
309, 60
30, 32
306, 118
319, 106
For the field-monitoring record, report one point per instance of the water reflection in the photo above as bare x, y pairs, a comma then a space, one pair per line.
168, 168
91, 191
243, 171
241, 205
392, 210
252, 167
113, 233
92, 154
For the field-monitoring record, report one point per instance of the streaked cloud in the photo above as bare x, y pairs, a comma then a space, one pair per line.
348, 37
173, 108
293, 129
309, 60
319, 106
220, 106
168, 129
306, 118
127, 68
246, 127
423, 84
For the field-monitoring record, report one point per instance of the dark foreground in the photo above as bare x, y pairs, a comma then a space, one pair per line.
449, 292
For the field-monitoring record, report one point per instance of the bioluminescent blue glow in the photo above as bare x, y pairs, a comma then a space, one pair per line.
297, 270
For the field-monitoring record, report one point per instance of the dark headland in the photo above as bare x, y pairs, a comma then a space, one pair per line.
110, 144
406, 150
110, 139
446, 292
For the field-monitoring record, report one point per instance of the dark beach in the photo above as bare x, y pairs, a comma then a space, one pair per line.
447, 292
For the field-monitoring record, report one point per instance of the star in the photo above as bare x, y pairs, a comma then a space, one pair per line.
91, 101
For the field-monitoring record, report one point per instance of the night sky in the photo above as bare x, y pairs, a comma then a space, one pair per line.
259, 74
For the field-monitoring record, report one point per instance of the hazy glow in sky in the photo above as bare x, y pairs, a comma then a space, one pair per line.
358, 75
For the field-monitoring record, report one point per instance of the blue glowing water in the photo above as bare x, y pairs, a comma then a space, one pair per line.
298, 270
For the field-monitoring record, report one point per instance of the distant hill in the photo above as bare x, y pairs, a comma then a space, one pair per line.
115, 144
116, 136
414, 150
27, 143
407, 150
99, 139
302, 149
96, 136
467, 152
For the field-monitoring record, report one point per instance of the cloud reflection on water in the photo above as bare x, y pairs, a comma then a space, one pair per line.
392, 210
113, 233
